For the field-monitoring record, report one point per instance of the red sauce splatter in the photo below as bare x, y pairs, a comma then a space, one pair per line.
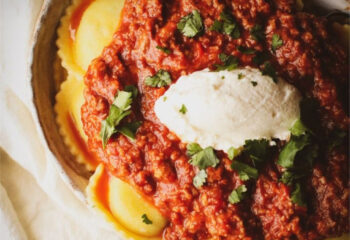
76, 17
88, 156
102, 191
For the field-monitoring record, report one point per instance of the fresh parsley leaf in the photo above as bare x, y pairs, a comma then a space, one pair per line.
191, 25
193, 148
298, 128
183, 109
129, 129
237, 195
336, 138
164, 49
245, 50
269, 70
257, 33
297, 196
229, 62
123, 100
245, 171
117, 112
146, 220
133, 89
227, 25
253, 83
233, 152
288, 177
289, 151
161, 79
205, 158
276, 43
258, 150
240, 76
200, 178
217, 26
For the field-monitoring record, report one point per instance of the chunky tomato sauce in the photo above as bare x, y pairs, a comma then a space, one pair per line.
156, 162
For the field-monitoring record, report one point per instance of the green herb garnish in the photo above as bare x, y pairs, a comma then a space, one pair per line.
200, 178
146, 220
244, 171
240, 76
161, 79
183, 109
191, 25
237, 195
229, 62
257, 33
204, 158
227, 25
298, 128
253, 83
257, 150
276, 42
117, 112
129, 129
193, 148
290, 150
245, 50
296, 196
269, 70
233, 152
164, 49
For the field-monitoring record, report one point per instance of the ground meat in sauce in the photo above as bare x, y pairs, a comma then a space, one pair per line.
157, 164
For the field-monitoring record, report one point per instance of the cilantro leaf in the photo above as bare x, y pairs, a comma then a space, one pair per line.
117, 112
237, 194
164, 49
161, 79
146, 220
217, 26
289, 151
276, 43
123, 100
288, 177
253, 83
200, 178
257, 33
297, 197
258, 150
191, 25
298, 128
183, 109
233, 152
133, 89
193, 148
205, 158
269, 70
227, 25
229, 62
129, 129
245, 171
245, 50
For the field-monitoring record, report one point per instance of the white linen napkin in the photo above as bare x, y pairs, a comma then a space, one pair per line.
22, 139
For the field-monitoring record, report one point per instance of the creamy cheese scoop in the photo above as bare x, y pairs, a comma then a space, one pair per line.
223, 109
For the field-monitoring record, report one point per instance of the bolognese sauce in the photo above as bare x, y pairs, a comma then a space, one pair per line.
156, 163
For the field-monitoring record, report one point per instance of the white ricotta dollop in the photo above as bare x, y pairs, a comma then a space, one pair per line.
228, 107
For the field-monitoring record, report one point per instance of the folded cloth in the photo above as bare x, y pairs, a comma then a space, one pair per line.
23, 141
